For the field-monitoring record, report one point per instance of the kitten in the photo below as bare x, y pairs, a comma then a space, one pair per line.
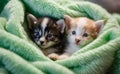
48, 33
79, 30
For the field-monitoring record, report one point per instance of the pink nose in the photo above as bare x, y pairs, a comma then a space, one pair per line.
77, 40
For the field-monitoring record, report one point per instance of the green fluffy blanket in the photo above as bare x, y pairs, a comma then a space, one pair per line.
19, 55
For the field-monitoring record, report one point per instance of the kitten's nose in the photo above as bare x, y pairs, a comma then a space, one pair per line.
77, 40
41, 42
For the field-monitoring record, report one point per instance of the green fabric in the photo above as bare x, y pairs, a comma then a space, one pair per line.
117, 16
2, 4
19, 55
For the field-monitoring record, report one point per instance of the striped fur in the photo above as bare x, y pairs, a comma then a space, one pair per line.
47, 32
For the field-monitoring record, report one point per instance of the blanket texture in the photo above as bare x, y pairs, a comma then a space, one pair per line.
19, 55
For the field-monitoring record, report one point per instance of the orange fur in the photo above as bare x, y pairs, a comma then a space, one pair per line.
78, 30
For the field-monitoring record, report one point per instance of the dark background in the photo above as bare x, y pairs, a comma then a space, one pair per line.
113, 6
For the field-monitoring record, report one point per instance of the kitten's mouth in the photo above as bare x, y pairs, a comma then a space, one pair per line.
78, 43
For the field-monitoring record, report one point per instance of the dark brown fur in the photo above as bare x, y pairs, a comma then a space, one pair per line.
52, 33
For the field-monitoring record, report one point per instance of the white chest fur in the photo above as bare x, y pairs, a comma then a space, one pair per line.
71, 48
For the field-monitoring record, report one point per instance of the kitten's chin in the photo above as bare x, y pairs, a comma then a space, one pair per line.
49, 44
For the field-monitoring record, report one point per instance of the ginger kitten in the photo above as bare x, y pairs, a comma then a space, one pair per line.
80, 30
48, 33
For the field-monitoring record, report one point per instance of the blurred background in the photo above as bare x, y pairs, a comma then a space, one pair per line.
112, 6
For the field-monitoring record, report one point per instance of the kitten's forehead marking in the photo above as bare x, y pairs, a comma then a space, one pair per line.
44, 24
80, 25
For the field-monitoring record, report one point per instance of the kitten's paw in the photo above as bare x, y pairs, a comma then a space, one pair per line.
53, 56
62, 57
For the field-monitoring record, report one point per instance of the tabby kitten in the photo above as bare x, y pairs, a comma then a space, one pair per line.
48, 33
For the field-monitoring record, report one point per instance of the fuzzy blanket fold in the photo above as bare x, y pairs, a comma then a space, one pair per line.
19, 55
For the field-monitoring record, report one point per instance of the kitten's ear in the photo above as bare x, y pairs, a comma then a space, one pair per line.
61, 25
99, 24
32, 20
67, 20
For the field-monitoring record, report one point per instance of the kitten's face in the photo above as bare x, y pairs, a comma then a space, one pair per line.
81, 29
45, 31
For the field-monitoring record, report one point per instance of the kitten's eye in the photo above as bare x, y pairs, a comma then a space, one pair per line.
37, 33
73, 32
85, 35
